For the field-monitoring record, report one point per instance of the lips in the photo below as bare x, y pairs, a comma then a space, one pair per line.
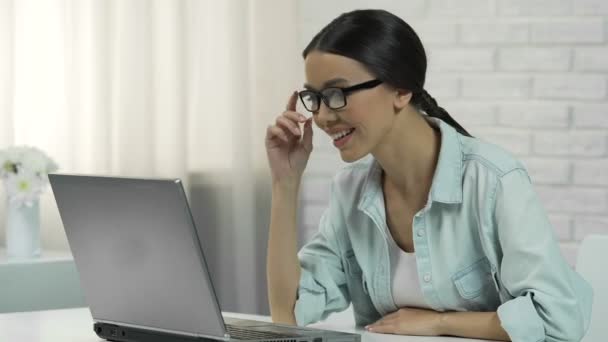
341, 134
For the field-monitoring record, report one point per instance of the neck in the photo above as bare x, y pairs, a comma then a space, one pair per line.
408, 156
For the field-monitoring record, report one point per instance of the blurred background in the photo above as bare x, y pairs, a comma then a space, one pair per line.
152, 88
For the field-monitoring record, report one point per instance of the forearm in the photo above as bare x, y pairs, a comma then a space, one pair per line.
283, 266
482, 325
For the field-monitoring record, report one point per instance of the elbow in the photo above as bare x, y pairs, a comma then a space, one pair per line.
286, 319
574, 331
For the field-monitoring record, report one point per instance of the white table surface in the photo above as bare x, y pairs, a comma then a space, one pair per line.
46, 255
76, 325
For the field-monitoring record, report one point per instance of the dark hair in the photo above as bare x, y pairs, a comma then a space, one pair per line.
389, 48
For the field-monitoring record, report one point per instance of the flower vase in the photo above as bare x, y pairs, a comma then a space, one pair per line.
23, 230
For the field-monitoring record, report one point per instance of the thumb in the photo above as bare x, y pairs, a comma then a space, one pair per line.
307, 138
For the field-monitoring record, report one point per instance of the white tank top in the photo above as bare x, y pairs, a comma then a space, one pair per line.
405, 282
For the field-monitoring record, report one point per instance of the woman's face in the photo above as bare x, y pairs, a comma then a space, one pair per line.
369, 113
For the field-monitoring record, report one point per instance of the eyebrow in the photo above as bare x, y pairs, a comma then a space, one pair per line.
330, 83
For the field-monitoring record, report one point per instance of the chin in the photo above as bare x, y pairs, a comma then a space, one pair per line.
350, 156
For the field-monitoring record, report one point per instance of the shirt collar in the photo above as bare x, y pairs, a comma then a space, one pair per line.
447, 181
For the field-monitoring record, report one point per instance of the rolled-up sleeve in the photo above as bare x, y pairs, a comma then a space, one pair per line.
550, 301
322, 288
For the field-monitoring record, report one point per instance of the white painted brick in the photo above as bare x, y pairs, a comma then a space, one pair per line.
581, 30
548, 171
591, 59
311, 214
321, 142
590, 115
570, 252
534, 7
525, 115
591, 172
471, 113
514, 141
306, 234
324, 163
494, 32
586, 144
496, 86
460, 59
315, 189
462, 8
583, 87
573, 199
436, 32
308, 10
533, 59
409, 11
306, 31
588, 225
442, 86
323, 12
594, 7
562, 225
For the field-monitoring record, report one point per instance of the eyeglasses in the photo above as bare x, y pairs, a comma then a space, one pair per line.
333, 97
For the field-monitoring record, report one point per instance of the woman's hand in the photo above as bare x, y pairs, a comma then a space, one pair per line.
287, 150
408, 321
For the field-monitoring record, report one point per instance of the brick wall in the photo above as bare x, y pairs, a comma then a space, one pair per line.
529, 75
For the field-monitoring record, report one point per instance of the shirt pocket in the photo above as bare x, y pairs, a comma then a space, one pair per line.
475, 285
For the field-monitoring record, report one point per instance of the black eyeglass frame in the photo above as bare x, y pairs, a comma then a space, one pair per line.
345, 92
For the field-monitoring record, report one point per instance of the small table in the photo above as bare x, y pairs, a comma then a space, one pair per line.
48, 282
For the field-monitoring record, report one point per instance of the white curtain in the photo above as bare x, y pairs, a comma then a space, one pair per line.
153, 88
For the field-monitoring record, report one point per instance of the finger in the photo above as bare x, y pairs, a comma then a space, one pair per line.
384, 318
392, 314
382, 322
291, 103
277, 132
307, 139
383, 329
295, 116
288, 124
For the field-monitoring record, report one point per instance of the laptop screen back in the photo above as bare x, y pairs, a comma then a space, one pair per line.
137, 252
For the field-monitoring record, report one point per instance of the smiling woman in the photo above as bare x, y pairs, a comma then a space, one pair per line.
438, 233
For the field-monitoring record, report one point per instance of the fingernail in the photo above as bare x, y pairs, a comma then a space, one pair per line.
302, 117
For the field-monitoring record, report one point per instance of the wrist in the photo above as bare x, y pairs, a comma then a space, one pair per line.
442, 327
287, 184
286, 189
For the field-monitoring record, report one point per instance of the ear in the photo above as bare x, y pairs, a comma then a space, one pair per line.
402, 99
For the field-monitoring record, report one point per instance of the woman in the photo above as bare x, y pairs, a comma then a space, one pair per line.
438, 234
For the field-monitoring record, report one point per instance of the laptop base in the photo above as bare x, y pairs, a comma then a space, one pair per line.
112, 332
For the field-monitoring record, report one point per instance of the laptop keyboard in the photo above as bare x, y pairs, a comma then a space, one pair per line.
248, 334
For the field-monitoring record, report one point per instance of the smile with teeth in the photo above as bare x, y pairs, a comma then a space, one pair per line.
342, 134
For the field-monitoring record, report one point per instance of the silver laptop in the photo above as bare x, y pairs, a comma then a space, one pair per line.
142, 268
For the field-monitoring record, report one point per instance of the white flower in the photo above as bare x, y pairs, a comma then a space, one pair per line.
24, 171
24, 187
6, 165
36, 161
15, 153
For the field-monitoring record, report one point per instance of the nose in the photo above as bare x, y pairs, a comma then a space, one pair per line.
325, 115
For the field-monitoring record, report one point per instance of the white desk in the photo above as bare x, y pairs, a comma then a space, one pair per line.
76, 325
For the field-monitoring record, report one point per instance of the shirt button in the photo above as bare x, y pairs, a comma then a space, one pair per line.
427, 277
421, 232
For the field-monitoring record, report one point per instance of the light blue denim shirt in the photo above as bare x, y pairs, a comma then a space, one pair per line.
483, 242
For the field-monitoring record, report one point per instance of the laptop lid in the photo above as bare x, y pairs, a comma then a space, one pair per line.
138, 254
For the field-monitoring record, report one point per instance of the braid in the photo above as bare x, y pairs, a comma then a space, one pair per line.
429, 105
